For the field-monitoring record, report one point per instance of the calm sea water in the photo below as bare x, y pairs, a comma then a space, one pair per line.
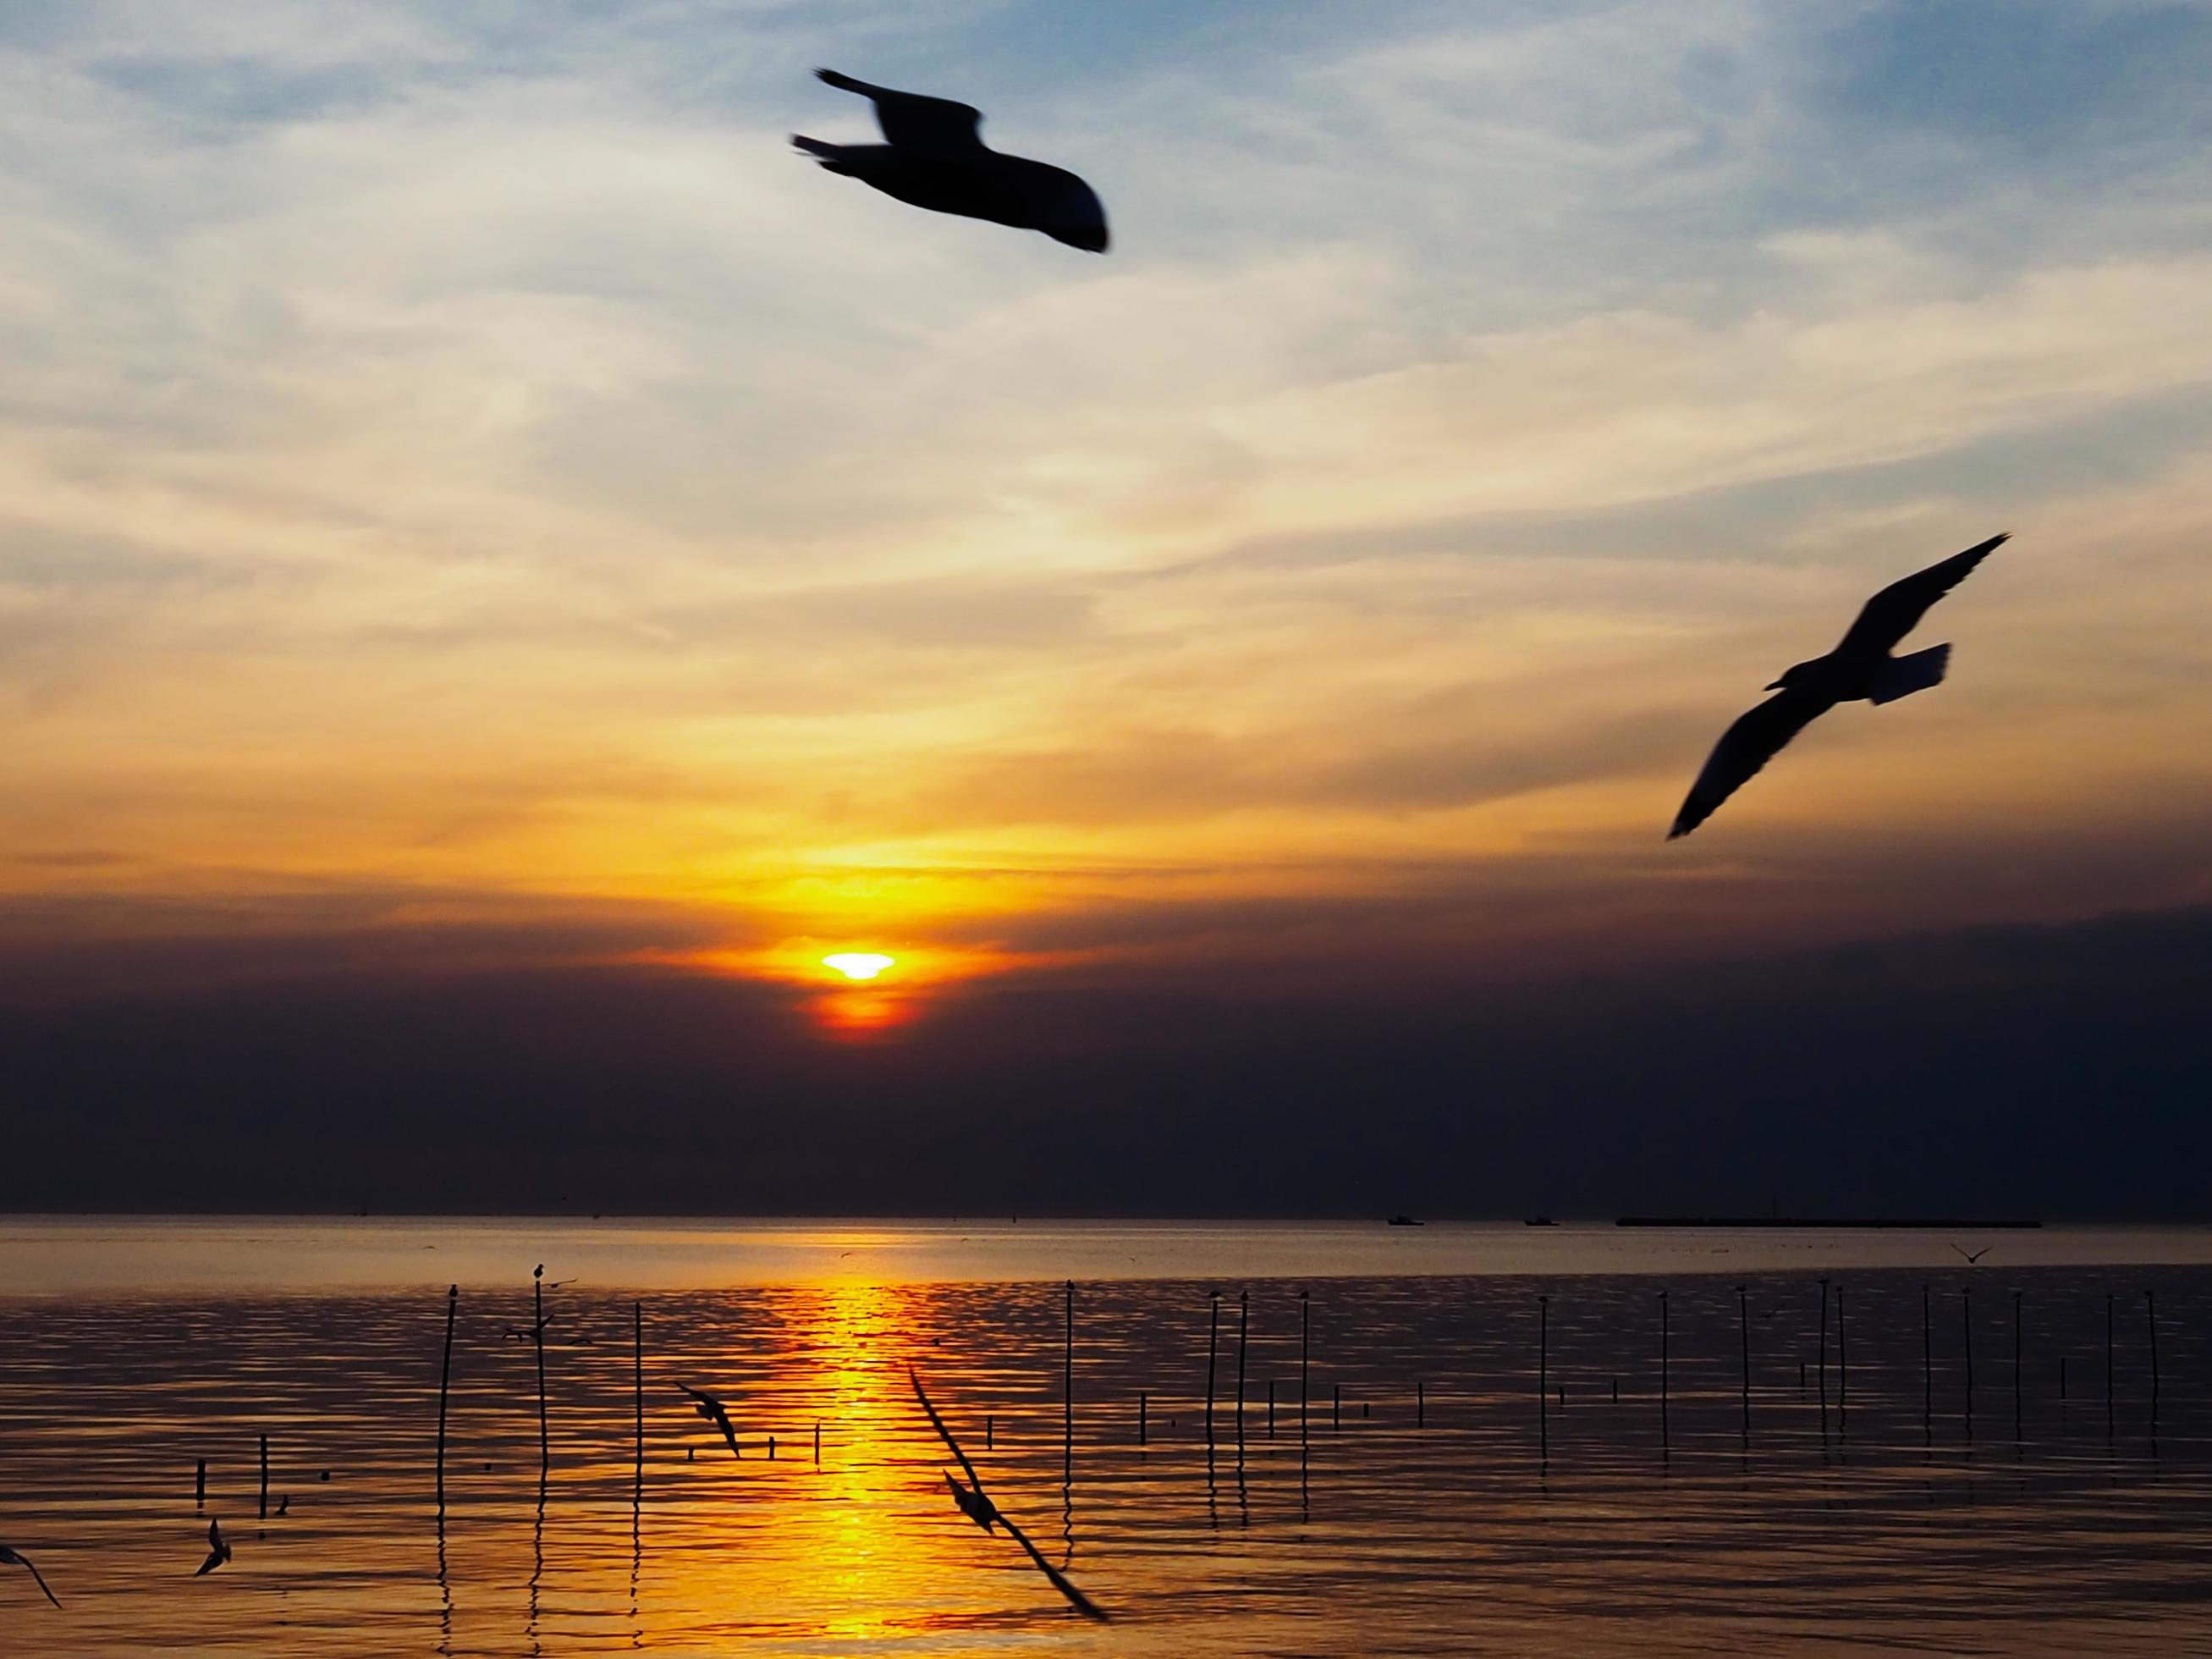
1404, 1492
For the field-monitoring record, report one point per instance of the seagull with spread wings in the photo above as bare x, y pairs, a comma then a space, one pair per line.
937, 159
10, 1559
715, 1413
1973, 1259
1859, 670
218, 1551
975, 1504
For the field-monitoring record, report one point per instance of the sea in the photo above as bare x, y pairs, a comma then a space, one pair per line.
1231, 1439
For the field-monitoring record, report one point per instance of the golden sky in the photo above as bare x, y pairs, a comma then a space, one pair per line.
458, 476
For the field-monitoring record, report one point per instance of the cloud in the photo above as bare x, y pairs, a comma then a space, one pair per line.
464, 454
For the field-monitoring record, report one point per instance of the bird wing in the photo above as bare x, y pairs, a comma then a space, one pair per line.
944, 1433
716, 1412
1076, 1599
218, 1552
913, 121
14, 1557
1895, 612
1744, 748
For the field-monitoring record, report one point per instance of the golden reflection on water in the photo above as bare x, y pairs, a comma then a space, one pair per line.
1382, 1528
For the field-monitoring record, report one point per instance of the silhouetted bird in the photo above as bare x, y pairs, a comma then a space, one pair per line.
1977, 1256
936, 159
974, 1503
1859, 670
9, 1558
714, 1411
218, 1552
977, 1506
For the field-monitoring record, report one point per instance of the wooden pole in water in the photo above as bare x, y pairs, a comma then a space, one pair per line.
199, 1485
1213, 1347
1927, 1375
1821, 1367
817, 1440
265, 1477
1271, 1408
1743, 1328
1141, 1427
637, 1388
2108, 1366
445, 1381
2150, 1308
1304, 1350
1967, 1329
1420, 1406
1336, 1407
1067, 1412
1662, 1371
1543, 1377
2015, 1368
1843, 1367
1243, 1326
538, 1333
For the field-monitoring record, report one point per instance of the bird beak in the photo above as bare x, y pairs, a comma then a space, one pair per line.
1774, 686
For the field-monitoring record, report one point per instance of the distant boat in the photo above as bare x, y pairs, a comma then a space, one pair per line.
1405, 1221
1540, 1221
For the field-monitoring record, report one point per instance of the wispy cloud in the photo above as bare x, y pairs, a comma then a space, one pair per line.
462, 451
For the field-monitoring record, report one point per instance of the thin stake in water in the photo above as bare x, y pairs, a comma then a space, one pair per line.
445, 1382
1543, 1377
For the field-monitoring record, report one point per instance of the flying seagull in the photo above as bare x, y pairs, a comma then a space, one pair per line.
9, 1558
937, 159
1977, 1256
218, 1552
715, 1413
1859, 670
975, 1504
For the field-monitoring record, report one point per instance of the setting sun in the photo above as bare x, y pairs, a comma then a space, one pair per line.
858, 964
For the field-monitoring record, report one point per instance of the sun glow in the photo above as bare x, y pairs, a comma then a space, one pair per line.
858, 964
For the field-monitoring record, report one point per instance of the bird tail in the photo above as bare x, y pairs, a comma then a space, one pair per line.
831, 156
1902, 677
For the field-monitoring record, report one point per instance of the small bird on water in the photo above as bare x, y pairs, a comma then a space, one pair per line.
1859, 670
11, 1558
937, 159
218, 1552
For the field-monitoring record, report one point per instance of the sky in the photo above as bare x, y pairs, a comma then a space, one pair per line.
503, 568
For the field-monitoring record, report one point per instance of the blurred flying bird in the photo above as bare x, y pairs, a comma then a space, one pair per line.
218, 1552
975, 1504
714, 1411
937, 159
9, 1558
1977, 1256
1859, 670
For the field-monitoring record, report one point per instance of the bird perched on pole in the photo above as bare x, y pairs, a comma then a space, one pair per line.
937, 159
1859, 670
